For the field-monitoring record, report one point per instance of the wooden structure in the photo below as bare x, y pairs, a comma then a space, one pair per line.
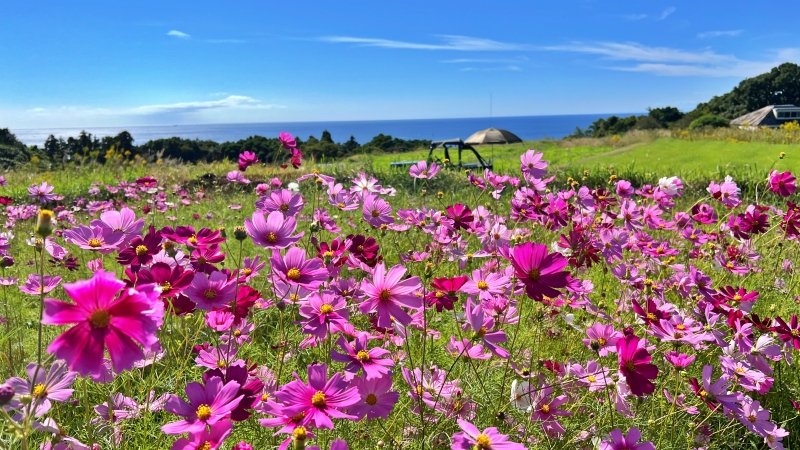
446, 146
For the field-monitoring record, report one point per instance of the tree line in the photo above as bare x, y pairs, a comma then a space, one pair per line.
779, 86
86, 148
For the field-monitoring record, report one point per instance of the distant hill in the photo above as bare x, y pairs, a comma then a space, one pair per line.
779, 86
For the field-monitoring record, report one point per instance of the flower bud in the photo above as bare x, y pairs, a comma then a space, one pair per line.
6, 393
44, 223
222, 232
242, 446
6, 261
239, 233
299, 436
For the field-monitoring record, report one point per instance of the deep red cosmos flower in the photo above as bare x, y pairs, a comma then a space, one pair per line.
539, 272
634, 364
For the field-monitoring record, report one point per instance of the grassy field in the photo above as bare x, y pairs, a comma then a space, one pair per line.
545, 334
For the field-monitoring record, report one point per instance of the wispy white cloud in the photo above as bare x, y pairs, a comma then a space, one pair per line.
665, 61
225, 41
667, 12
178, 34
492, 69
485, 60
231, 102
448, 42
713, 34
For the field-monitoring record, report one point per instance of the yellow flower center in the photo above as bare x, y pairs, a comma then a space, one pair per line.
300, 434
591, 378
482, 332
247, 272
371, 399
534, 275
203, 412
375, 213
205, 446
237, 333
284, 207
201, 260
221, 364
385, 295
166, 287
482, 285
94, 243
680, 326
293, 274
193, 240
601, 341
271, 237
294, 298
546, 409
651, 316
318, 400
362, 356
264, 397
39, 391
328, 254
141, 250
100, 318
210, 294
326, 309
751, 418
483, 442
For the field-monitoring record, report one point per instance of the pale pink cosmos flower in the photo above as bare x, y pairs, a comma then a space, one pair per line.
386, 294
235, 176
97, 238
274, 231
42, 192
34, 285
421, 170
211, 291
377, 211
207, 405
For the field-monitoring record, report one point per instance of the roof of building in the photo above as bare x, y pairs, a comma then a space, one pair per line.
761, 117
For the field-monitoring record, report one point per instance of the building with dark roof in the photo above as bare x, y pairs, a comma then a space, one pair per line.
771, 116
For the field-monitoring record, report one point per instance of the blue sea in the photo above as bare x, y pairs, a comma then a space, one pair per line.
526, 127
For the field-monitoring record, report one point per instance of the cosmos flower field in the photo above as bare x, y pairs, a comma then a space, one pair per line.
472, 311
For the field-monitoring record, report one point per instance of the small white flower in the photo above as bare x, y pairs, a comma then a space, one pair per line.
294, 187
521, 396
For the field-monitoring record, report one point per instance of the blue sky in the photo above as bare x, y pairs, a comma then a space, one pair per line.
105, 63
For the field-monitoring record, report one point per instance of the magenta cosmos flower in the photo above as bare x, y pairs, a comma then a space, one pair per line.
274, 231
377, 398
782, 183
206, 439
385, 294
105, 318
295, 269
489, 439
421, 170
319, 400
287, 140
539, 272
247, 159
211, 291
630, 442
207, 405
122, 221
532, 164
373, 361
377, 211
634, 364
34, 285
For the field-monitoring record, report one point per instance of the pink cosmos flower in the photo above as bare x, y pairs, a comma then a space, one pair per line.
489, 439
98, 238
296, 270
323, 310
782, 183
602, 338
211, 291
483, 329
105, 318
532, 164
385, 294
486, 285
539, 272
122, 221
373, 361
35, 286
630, 442
247, 159
319, 400
377, 211
287, 202
235, 176
207, 405
421, 170
274, 231
206, 439
45, 385
377, 398
679, 360
42, 192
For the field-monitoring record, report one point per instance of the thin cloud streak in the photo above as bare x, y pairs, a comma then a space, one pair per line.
450, 42
178, 34
484, 61
667, 12
492, 69
713, 34
632, 51
231, 102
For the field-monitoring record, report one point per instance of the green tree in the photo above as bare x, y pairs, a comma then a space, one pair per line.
711, 121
